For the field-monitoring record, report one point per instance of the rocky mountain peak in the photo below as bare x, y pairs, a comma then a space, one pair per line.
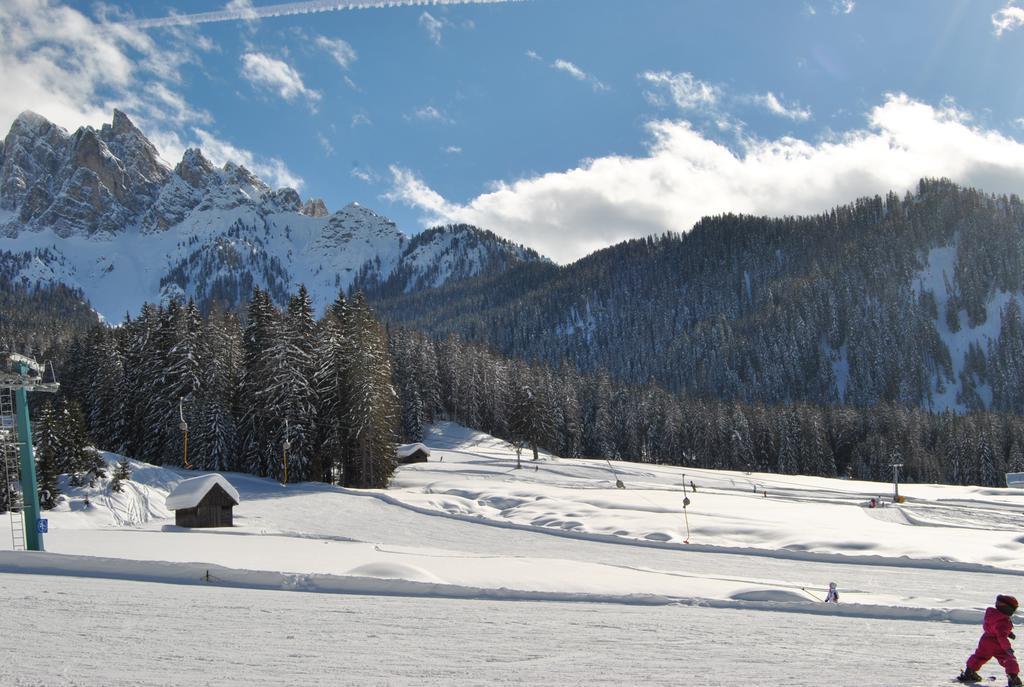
89, 151
31, 123
195, 169
240, 176
287, 199
34, 150
121, 125
138, 155
314, 207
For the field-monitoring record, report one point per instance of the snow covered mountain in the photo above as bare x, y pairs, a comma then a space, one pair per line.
443, 255
101, 212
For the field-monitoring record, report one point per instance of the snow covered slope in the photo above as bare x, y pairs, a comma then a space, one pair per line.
936, 278
100, 211
452, 537
611, 544
209, 634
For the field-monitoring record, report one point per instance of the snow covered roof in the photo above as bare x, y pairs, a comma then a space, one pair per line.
406, 450
190, 492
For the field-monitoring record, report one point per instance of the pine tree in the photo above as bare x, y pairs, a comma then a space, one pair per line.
122, 472
68, 444
105, 410
369, 410
214, 431
46, 456
143, 368
291, 399
530, 410
257, 425
330, 386
182, 379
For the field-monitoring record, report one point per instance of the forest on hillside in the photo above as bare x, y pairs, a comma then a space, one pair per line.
822, 309
335, 395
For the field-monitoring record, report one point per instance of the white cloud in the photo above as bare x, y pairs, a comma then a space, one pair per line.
74, 70
359, 119
453, 150
1019, 122
687, 92
534, 56
67, 67
275, 75
343, 53
685, 176
578, 74
365, 175
843, 6
570, 69
1007, 19
690, 94
325, 143
430, 114
432, 26
272, 170
172, 106
772, 103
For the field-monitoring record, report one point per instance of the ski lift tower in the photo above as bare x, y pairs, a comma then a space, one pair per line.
19, 376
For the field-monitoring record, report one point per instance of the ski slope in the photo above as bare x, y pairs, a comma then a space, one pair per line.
464, 534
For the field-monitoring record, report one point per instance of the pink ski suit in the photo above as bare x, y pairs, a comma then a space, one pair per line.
995, 643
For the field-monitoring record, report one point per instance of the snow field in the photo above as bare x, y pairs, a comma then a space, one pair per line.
467, 530
116, 633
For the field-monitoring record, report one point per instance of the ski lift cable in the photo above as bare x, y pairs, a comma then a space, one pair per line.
640, 494
618, 482
708, 472
746, 580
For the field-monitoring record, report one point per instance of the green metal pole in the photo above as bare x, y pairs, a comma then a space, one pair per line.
29, 488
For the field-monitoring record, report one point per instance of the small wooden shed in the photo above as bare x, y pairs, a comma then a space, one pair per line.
205, 501
412, 453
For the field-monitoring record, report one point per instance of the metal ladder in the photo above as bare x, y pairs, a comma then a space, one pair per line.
11, 469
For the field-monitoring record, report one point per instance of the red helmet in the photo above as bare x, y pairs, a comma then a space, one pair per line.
1008, 601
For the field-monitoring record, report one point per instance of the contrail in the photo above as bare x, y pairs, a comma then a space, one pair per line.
289, 8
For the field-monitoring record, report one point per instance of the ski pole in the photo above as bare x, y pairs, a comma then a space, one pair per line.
814, 596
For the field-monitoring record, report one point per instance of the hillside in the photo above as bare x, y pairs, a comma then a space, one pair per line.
912, 300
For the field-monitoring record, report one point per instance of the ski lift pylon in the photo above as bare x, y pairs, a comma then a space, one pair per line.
183, 426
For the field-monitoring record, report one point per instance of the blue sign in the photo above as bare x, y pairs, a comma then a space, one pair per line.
42, 525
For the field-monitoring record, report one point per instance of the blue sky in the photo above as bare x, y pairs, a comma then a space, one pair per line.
564, 124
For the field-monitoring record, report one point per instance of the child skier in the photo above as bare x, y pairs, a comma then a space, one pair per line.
995, 643
833, 594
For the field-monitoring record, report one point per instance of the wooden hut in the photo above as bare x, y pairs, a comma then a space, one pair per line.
206, 501
412, 453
